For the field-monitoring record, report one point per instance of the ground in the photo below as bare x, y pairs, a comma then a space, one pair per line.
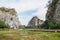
28, 35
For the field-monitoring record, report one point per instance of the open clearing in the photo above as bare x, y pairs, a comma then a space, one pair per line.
28, 35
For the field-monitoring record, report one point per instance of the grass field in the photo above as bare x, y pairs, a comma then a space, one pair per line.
28, 35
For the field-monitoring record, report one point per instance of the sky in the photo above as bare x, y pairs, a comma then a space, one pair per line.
26, 9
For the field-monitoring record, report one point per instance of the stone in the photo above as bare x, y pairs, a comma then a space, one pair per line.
53, 12
9, 16
35, 21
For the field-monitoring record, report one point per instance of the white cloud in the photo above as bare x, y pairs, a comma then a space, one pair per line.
23, 5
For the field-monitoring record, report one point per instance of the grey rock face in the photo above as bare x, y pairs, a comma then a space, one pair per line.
35, 21
54, 11
57, 12
10, 17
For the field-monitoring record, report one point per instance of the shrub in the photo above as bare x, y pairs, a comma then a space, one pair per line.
49, 24
3, 25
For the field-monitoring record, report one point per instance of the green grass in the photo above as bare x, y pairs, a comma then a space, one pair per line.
28, 35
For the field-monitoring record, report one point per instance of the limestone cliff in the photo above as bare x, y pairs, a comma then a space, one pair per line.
9, 16
53, 12
35, 21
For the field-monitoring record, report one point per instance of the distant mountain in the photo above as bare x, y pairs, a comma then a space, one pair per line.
10, 17
35, 21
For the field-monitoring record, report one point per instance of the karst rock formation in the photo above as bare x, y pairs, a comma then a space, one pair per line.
53, 12
35, 21
10, 17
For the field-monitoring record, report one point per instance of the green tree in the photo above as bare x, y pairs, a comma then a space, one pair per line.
49, 24
3, 25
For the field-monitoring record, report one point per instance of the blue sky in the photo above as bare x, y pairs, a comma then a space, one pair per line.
26, 9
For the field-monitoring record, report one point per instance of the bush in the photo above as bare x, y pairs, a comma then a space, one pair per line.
28, 27
49, 24
3, 25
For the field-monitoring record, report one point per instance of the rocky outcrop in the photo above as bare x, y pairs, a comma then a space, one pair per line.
35, 21
53, 12
10, 17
